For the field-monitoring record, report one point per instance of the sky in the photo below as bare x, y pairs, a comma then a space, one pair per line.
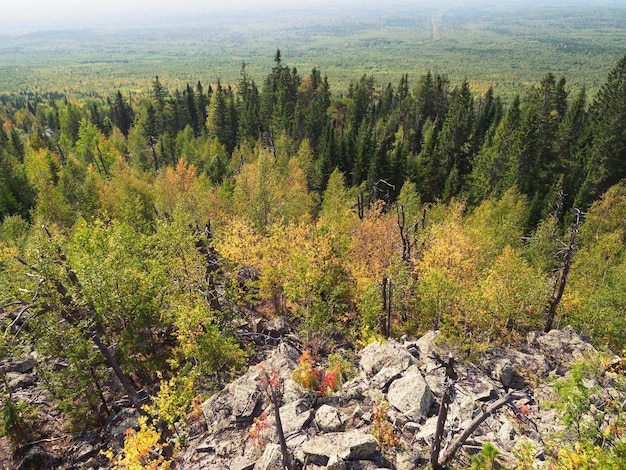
62, 13
65, 11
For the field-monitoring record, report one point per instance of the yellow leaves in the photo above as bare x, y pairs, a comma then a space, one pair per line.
175, 185
268, 194
142, 449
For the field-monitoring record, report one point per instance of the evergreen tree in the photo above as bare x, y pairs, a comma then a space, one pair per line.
192, 112
220, 120
121, 114
495, 168
248, 107
452, 154
606, 156
202, 101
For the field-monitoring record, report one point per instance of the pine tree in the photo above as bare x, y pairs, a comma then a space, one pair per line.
606, 156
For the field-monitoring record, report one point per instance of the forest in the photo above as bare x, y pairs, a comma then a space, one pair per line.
137, 232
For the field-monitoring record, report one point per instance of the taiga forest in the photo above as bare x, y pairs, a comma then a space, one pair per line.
155, 214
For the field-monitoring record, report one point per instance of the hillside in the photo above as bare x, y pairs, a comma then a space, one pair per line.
155, 246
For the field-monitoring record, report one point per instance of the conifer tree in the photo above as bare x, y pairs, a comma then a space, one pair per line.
606, 155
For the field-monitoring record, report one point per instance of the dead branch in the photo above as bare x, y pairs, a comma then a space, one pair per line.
459, 441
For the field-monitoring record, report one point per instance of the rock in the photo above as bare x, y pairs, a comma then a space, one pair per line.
241, 463
23, 364
411, 395
38, 458
407, 460
353, 445
523, 364
424, 346
330, 419
335, 463
278, 326
85, 451
245, 398
295, 416
503, 372
385, 376
271, 459
462, 407
18, 381
292, 391
376, 356
562, 347
427, 431
506, 433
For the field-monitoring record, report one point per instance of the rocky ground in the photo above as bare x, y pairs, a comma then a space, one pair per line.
336, 431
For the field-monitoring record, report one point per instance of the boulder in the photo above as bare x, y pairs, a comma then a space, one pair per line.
411, 395
271, 459
503, 371
18, 381
294, 416
427, 431
561, 347
330, 419
353, 445
38, 458
377, 356
245, 397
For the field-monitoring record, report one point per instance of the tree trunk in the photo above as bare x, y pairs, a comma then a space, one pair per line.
559, 287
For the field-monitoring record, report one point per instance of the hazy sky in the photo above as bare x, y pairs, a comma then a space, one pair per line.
56, 13
34, 11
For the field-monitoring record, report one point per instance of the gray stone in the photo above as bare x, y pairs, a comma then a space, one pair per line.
271, 459
386, 375
241, 463
427, 431
407, 460
506, 432
562, 347
18, 381
376, 356
330, 419
424, 345
278, 326
84, 451
294, 416
37, 457
23, 364
503, 371
245, 397
411, 395
335, 463
353, 445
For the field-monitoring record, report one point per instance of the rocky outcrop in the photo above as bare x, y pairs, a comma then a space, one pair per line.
336, 432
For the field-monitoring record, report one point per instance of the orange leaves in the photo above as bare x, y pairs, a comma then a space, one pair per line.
314, 379
258, 430
382, 429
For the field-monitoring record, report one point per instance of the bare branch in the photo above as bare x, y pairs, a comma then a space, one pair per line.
458, 442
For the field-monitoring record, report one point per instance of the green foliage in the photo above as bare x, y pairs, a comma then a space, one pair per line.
17, 418
594, 419
487, 459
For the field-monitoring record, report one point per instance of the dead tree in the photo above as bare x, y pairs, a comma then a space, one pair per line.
104, 167
272, 385
386, 293
561, 279
205, 246
446, 399
458, 441
151, 142
439, 460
